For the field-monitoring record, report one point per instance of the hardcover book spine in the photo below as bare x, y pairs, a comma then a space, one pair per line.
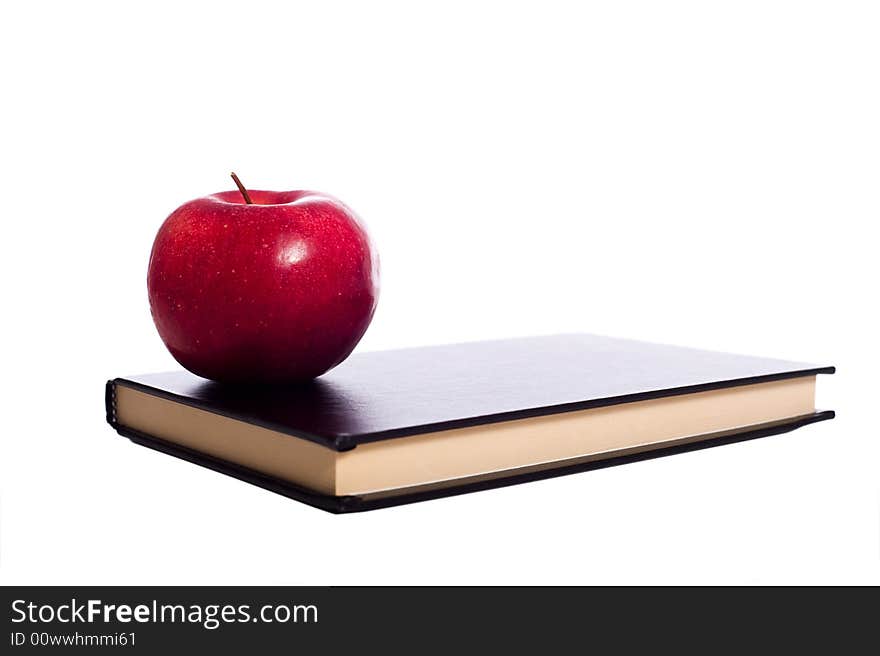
110, 402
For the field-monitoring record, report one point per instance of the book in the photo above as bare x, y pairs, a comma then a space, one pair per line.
392, 427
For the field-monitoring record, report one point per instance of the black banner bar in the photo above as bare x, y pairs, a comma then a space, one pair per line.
287, 619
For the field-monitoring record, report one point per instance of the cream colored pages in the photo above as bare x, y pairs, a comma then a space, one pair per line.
490, 450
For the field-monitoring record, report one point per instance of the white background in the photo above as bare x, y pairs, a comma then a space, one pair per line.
694, 173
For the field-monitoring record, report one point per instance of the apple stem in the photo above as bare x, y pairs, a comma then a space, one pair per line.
244, 192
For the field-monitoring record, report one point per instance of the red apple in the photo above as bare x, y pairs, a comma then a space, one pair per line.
262, 286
